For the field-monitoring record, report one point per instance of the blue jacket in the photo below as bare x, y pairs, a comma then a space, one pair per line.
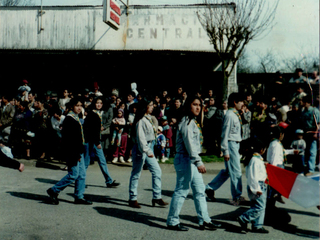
188, 141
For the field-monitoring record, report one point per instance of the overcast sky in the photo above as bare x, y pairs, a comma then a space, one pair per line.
296, 30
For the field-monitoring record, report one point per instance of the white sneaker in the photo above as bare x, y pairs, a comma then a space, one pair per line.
114, 160
129, 160
164, 159
121, 159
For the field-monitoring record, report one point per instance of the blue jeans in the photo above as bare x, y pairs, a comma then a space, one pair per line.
138, 160
255, 214
187, 175
233, 170
76, 173
101, 161
311, 154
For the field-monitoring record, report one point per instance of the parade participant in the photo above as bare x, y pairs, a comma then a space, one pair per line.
230, 144
189, 167
92, 131
277, 156
73, 149
257, 189
144, 135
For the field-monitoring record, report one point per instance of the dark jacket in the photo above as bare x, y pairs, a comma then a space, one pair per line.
92, 128
72, 142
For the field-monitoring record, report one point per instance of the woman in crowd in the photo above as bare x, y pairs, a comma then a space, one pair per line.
144, 136
189, 167
92, 131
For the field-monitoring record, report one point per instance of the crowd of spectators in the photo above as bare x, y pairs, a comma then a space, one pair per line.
31, 122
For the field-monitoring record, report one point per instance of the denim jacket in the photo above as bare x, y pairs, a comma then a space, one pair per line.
188, 140
231, 130
145, 134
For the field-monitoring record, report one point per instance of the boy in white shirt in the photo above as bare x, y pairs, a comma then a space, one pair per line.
257, 190
277, 156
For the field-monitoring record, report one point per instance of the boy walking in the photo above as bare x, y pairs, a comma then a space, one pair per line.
230, 145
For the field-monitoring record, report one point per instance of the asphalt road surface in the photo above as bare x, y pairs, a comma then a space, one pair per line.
26, 211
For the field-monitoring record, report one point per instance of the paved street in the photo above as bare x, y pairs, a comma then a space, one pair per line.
27, 214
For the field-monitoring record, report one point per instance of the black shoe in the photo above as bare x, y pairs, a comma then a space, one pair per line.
53, 196
210, 194
178, 227
113, 184
244, 226
82, 201
260, 230
210, 225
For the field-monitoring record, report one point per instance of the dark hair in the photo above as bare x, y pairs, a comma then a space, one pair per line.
141, 111
276, 131
74, 101
307, 99
132, 93
95, 100
234, 97
256, 145
187, 108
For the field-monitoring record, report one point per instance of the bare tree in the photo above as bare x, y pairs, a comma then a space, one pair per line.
11, 3
231, 26
306, 58
268, 62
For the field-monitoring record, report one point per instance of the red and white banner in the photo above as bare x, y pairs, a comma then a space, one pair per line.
299, 189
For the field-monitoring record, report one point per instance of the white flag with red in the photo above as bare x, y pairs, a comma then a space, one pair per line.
299, 189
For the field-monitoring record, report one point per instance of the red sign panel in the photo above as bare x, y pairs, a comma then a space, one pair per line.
115, 7
115, 17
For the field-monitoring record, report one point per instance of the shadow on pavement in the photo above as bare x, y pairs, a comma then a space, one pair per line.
107, 199
30, 196
48, 165
135, 216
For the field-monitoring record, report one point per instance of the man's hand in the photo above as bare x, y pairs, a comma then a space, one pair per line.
202, 169
259, 194
151, 156
99, 146
226, 157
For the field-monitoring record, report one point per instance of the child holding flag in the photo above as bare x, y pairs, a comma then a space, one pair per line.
276, 155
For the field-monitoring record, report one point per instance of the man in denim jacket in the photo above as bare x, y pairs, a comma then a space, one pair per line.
230, 144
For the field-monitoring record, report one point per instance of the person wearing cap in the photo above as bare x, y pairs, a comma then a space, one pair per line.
160, 146
300, 144
24, 86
